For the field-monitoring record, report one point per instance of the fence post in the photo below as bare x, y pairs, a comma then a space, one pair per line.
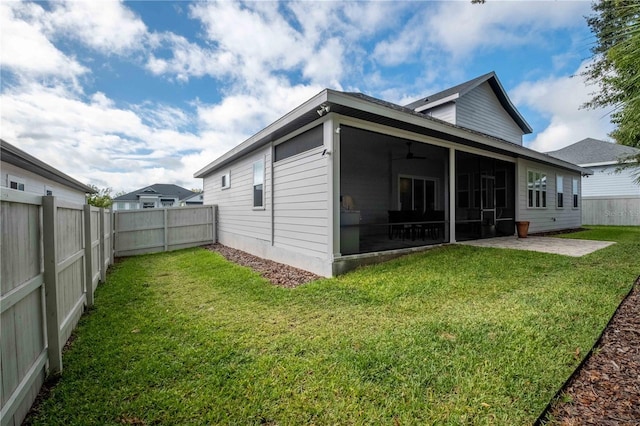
215, 223
88, 255
102, 250
112, 236
49, 238
166, 230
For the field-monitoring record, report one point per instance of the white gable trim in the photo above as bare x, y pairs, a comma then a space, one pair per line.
449, 98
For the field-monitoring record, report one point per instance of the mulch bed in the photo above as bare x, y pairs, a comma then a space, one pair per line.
606, 390
277, 273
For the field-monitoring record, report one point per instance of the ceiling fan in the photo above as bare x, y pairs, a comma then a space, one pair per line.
410, 155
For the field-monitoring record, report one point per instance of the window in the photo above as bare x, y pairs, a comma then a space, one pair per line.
417, 193
225, 181
575, 193
560, 191
537, 189
258, 184
148, 205
15, 183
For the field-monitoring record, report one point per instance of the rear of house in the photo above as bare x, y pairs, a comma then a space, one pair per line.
347, 179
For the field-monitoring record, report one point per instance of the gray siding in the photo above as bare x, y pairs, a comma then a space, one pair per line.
549, 218
236, 214
446, 112
481, 110
38, 185
605, 182
301, 204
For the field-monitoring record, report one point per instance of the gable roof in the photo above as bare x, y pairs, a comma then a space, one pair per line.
594, 152
455, 92
160, 189
316, 110
13, 155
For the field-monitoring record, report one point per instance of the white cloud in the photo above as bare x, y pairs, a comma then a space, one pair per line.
190, 60
247, 42
106, 25
26, 50
559, 99
98, 142
460, 28
239, 116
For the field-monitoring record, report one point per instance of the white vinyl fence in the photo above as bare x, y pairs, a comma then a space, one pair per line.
53, 256
156, 230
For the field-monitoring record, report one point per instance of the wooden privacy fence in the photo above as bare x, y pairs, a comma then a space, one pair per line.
611, 211
53, 256
155, 230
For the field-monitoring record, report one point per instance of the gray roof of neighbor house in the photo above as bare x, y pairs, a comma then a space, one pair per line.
367, 108
593, 152
455, 92
13, 155
160, 189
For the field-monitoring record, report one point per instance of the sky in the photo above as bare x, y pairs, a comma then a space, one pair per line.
128, 94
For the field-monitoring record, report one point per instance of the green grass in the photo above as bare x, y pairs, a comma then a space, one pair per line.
453, 335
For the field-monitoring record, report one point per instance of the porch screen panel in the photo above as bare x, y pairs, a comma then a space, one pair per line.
398, 192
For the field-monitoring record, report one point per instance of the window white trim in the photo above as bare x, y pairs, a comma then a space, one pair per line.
559, 192
16, 183
258, 188
536, 189
575, 193
225, 181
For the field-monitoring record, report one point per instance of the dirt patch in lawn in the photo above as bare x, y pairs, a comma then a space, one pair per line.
606, 390
277, 273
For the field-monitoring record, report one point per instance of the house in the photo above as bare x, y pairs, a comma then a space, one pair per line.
196, 199
156, 196
609, 197
23, 172
346, 179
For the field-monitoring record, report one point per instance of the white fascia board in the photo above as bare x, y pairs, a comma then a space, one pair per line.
444, 127
312, 103
439, 102
605, 163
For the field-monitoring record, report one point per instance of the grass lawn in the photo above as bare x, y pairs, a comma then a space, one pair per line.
453, 335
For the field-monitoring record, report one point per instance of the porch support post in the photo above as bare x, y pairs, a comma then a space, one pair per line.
452, 195
332, 146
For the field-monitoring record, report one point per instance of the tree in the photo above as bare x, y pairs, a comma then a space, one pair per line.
616, 69
101, 198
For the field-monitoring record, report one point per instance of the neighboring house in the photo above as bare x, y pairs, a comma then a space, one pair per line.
346, 179
609, 197
196, 199
23, 172
157, 196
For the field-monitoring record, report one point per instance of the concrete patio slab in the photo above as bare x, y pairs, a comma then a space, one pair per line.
563, 246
